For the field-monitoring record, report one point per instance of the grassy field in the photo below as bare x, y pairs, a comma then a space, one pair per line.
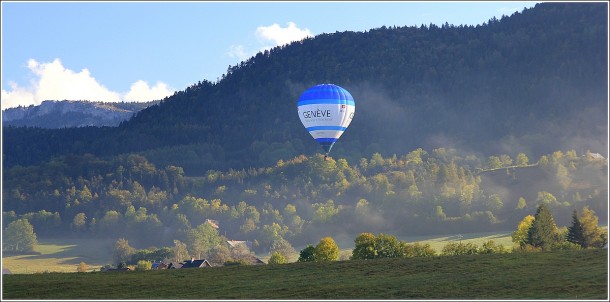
62, 255
551, 275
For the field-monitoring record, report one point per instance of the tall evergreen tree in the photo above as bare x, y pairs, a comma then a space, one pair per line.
575, 231
543, 232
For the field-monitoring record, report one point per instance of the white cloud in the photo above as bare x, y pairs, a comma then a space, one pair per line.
238, 51
282, 35
140, 91
52, 81
269, 37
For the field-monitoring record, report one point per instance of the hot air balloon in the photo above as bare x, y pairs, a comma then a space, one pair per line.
326, 110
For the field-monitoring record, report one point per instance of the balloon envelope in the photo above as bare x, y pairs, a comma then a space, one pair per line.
326, 110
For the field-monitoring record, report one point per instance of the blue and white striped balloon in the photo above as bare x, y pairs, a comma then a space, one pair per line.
326, 110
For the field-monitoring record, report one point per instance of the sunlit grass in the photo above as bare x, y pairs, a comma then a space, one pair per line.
62, 255
552, 275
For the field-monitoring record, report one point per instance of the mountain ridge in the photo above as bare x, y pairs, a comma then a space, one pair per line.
531, 82
52, 114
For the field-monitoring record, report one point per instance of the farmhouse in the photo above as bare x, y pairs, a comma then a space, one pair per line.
193, 263
159, 265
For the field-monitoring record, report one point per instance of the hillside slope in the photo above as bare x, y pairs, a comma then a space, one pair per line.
575, 275
532, 82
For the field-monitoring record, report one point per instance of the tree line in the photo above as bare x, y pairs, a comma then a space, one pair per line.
295, 200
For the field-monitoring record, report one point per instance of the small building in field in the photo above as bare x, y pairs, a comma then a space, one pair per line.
159, 265
196, 263
174, 265
193, 263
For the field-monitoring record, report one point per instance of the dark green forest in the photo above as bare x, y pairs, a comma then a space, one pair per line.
532, 82
457, 129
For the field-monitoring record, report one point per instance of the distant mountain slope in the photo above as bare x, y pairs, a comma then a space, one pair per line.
532, 82
62, 114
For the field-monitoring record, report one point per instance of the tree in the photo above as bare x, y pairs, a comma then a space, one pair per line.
387, 246
220, 255
522, 160
459, 248
520, 235
79, 222
179, 251
364, 246
593, 235
326, 250
277, 258
494, 162
19, 237
417, 250
543, 232
575, 231
307, 254
521, 204
283, 247
144, 265
82, 267
202, 239
494, 202
546, 198
490, 247
122, 252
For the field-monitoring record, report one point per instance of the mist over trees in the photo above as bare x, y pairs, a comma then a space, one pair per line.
458, 129
292, 202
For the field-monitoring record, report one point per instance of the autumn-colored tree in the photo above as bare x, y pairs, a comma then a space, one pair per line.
520, 235
417, 250
326, 250
593, 235
82, 267
522, 160
459, 248
277, 258
144, 265
365, 246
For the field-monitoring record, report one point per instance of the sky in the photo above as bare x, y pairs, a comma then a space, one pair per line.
143, 51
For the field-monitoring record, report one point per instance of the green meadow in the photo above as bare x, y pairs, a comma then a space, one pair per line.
64, 254
551, 275
61, 255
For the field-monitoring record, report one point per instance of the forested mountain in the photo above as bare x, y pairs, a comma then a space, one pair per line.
63, 114
457, 129
532, 82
